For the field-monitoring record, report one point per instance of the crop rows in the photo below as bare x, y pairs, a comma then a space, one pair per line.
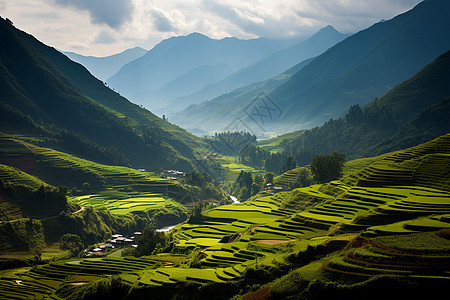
171, 276
420, 255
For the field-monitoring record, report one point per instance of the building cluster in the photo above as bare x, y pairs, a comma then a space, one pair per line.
174, 174
273, 189
117, 241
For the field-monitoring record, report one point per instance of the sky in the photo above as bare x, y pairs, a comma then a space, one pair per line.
106, 27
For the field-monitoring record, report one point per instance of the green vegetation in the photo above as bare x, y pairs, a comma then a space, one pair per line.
64, 107
326, 168
348, 229
413, 112
389, 214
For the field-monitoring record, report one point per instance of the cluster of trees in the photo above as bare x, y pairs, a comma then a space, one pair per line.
253, 156
198, 186
231, 143
70, 241
248, 185
151, 241
323, 168
271, 162
327, 167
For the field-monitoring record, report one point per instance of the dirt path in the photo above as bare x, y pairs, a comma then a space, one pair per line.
78, 211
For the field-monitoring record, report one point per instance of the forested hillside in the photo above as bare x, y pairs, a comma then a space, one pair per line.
412, 112
47, 96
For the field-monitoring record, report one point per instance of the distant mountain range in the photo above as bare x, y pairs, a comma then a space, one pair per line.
186, 70
105, 67
147, 79
356, 70
49, 100
265, 68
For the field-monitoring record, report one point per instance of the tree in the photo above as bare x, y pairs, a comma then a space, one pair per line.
304, 178
197, 212
290, 164
327, 167
258, 180
70, 241
150, 241
86, 187
268, 178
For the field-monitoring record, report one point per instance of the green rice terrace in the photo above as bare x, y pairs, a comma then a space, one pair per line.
118, 189
385, 222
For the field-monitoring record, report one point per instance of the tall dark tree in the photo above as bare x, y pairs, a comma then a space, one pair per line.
150, 240
290, 164
327, 167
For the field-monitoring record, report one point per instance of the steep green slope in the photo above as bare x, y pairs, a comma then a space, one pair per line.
24, 195
69, 109
430, 122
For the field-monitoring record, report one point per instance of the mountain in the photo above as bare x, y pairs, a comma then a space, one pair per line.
176, 56
356, 70
56, 103
105, 67
431, 122
412, 112
269, 66
232, 105
191, 82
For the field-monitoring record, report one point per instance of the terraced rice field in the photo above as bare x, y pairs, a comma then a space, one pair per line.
389, 213
167, 276
288, 178
125, 189
43, 281
127, 203
424, 255
15, 176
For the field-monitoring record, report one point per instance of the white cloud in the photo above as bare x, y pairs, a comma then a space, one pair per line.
106, 27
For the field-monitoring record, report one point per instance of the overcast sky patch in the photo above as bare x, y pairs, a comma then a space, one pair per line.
104, 37
110, 12
106, 27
